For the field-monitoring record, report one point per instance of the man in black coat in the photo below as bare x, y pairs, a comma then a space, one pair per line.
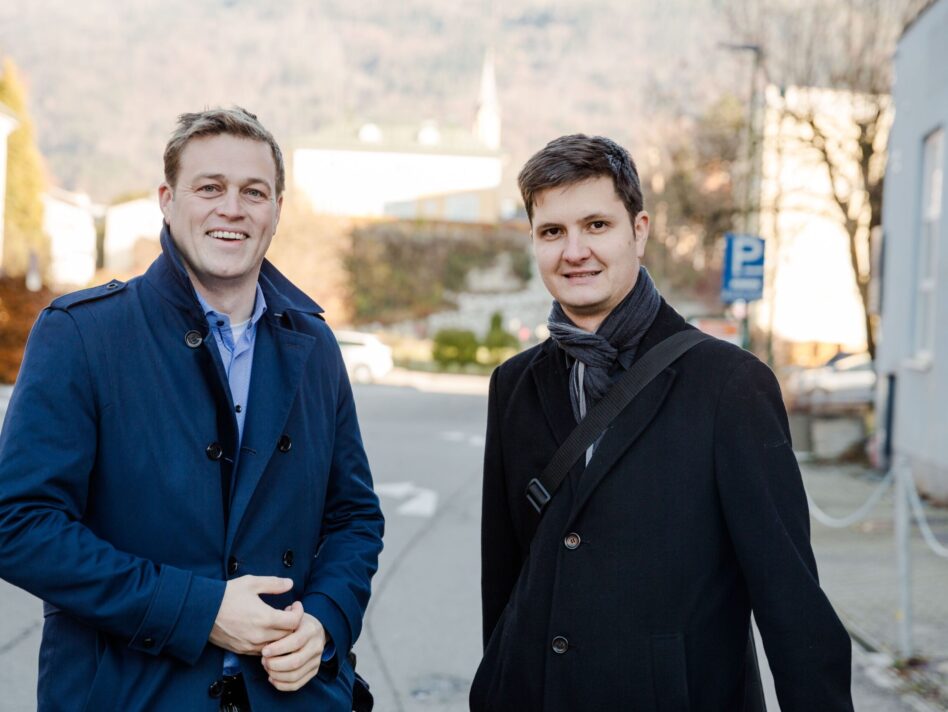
634, 589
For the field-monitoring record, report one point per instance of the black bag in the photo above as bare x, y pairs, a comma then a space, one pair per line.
362, 700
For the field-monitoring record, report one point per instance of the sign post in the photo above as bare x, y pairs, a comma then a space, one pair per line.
743, 278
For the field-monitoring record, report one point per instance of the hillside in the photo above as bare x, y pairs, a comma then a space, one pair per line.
108, 78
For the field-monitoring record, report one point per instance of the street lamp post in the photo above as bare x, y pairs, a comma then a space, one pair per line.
750, 209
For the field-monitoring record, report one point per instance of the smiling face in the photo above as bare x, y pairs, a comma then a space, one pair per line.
587, 251
223, 212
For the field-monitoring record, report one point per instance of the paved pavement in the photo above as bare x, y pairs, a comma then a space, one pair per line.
421, 641
858, 570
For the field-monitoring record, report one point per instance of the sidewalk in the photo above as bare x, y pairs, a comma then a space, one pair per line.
858, 571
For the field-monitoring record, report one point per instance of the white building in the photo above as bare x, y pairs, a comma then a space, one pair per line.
7, 124
69, 222
409, 171
128, 227
913, 348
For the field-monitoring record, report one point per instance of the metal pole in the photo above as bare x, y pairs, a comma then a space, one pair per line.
903, 556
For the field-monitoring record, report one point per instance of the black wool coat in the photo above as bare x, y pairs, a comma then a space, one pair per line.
643, 571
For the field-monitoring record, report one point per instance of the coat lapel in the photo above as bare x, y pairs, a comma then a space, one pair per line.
552, 382
278, 361
620, 436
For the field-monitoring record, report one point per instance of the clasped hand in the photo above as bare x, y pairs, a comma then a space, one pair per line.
290, 641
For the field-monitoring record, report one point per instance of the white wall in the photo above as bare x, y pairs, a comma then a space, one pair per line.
68, 221
921, 106
345, 182
125, 225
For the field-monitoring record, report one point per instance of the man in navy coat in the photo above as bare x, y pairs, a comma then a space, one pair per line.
182, 477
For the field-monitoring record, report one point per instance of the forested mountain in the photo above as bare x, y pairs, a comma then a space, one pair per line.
107, 78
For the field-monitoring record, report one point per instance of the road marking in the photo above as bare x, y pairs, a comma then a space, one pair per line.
419, 501
456, 436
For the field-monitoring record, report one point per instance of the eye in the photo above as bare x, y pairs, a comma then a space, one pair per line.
255, 193
598, 225
550, 233
208, 188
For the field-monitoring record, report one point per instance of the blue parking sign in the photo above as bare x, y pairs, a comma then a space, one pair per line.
743, 268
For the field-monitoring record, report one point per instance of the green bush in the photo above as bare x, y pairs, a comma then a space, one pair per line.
454, 346
501, 344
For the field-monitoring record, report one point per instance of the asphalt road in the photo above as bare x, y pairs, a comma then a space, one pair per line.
421, 642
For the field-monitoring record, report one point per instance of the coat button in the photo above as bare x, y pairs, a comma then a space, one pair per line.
560, 645
288, 558
193, 339
572, 540
148, 643
285, 443
214, 451
215, 689
232, 565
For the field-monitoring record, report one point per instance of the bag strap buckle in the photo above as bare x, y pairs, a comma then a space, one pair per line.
537, 495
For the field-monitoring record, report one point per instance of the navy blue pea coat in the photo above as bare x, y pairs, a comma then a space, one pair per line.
116, 512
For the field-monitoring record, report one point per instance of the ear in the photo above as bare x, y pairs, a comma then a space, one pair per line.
279, 211
165, 196
641, 226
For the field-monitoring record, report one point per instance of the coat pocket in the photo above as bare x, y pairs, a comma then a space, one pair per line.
670, 673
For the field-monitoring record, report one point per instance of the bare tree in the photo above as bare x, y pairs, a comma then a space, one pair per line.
845, 47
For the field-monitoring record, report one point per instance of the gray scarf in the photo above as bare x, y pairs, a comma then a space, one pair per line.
615, 342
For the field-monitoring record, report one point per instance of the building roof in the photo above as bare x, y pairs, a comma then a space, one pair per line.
427, 137
928, 5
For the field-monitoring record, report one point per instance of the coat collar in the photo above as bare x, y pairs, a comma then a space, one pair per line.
170, 279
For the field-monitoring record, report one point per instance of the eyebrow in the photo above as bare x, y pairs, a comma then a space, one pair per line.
592, 217
221, 177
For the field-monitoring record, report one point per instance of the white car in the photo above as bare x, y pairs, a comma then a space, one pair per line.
367, 359
845, 382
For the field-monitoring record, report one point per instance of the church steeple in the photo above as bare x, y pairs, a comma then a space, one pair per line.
487, 123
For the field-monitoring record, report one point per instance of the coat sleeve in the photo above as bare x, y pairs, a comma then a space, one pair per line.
767, 518
337, 591
500, 558
47, 459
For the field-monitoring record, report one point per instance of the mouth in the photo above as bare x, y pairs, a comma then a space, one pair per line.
582, 275
227, 235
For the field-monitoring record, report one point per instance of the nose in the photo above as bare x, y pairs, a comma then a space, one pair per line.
229, 204
576, 248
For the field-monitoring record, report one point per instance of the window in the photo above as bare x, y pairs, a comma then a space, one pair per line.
927, 248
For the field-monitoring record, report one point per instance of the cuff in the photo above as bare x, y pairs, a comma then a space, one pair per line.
337, 628
181, 615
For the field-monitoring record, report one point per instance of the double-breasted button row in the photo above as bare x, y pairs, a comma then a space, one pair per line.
148, 643
214, 451
560, 645
232, 565
285, 443
288, 558
215, 689
572, 540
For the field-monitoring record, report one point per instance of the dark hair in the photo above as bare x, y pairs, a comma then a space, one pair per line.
214, 122
575, 158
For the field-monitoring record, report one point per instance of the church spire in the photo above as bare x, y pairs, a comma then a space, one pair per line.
487, 122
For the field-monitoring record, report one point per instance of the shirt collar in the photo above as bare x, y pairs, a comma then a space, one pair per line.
259, 308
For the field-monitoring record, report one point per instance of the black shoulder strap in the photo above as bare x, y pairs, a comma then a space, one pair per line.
541, 489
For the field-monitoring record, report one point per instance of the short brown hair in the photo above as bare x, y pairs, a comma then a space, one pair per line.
576, 158
215, 122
